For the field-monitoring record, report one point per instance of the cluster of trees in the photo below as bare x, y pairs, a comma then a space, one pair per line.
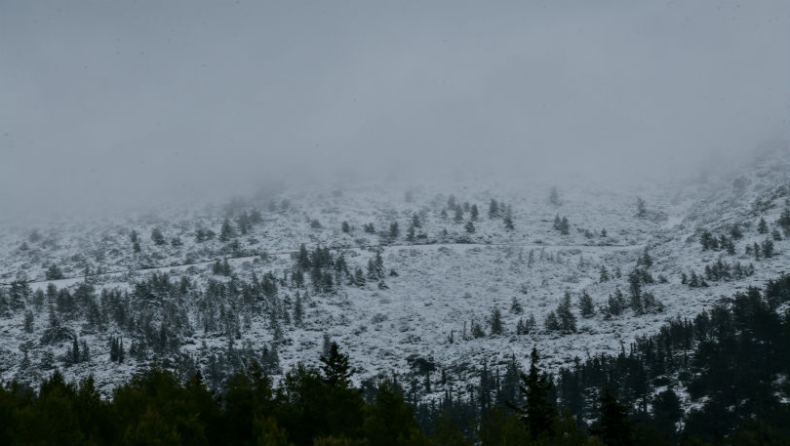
631, 398
561, 224
496, 210
159, 313
329, 271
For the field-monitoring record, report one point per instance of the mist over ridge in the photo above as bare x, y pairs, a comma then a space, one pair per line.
111, 107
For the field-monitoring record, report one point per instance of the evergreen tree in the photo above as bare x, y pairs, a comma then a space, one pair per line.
470, 228
389, 421
493, 209
613, 426
604, 275
564, 226
539, 413
345, 227
54, 273
735, 232
459, 214
566, 318
645, 260
495, 322
552, 322
768, 248
586, 305
508, 221
298, 310
335, 367
515, 306
635, 284
474, 213
158, 237
226, 232
762, 227
394, 231
616, 303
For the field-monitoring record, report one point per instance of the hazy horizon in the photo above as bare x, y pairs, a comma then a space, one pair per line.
107, 106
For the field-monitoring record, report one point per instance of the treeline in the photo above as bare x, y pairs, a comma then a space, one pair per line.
732, 363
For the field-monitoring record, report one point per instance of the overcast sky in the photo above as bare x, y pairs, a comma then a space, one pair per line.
134, 101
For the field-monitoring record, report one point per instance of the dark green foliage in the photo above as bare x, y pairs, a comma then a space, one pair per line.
645, 260
158, 237
226, 231
202, 235
345, 227
493, 209
768, 248
613, 425
508, 221
566, 318
469, 227
459, 214
495, 322
474, 213
335, 367
604, 275
762, 226
561, 225
390, 421
515, 306
586, 306
54, 273
394, 231
552, 322
735, 232
784, 221
538, 412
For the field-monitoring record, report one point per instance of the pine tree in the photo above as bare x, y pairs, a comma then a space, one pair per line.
515, 306
474, 213
566, 318
586, 305
768, 248
604, 275
762, 227
470, 227
226, 232
335, 367
298, 310
345, 227
495, 322
157, 237
493, 209
508, 221
613, 426
459, 214
552, 323
564, 226
394, 230
538, 412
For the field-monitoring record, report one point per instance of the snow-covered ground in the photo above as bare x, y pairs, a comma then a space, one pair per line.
446, 277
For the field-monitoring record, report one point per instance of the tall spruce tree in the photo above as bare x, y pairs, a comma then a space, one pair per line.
538, 413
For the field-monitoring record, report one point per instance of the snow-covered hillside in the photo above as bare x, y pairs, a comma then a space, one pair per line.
446, 274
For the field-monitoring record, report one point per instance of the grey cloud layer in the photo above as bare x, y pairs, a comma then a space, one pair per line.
108, 102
